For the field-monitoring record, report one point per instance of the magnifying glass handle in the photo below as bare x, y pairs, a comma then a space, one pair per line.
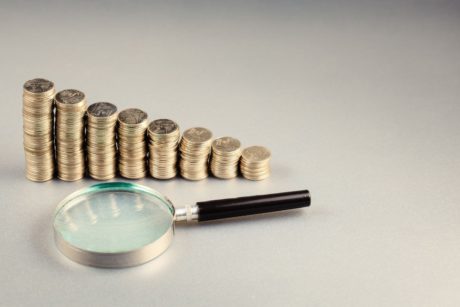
241, 206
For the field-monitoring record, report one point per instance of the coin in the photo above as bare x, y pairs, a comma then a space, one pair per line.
226, 144
132, 126
226, 152
101, 140
132, 116
70, 134
38, 124
198, 135
102, 109
70, 96
38, 86
255, 163
162, 127
164, 137
195, 148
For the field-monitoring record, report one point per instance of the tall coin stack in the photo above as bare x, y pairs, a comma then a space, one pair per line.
70, 134
38, 129
101, 140
255, 163
195, 148
226, 152
164, 137
132, 124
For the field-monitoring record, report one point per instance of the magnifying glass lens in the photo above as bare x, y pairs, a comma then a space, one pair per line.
116, 219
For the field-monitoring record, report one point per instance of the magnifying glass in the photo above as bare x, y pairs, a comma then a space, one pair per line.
119, 224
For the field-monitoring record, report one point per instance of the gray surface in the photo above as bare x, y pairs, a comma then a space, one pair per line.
359, 102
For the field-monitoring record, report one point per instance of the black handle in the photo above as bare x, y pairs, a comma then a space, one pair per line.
231, 207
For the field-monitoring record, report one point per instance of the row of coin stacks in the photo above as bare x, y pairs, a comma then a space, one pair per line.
66, 138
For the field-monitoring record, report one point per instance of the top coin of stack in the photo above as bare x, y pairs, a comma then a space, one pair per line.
38, 129
255, 163
132, 124
226, 152
70, 134
101, 140
194, 153
164, 137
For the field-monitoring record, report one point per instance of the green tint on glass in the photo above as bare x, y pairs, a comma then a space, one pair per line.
113, 217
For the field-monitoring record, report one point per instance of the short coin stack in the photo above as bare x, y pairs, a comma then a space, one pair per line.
194, 153
132, 124
70, 134
164, 137
38, 129
101, 140
255, 163
226, 152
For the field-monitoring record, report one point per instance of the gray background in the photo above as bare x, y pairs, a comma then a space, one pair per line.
358, 101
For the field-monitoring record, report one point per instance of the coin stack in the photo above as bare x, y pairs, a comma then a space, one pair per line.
255, 163
226, 152
101, 140
38, 129
195, 148
164, 137
132, 124
70, 134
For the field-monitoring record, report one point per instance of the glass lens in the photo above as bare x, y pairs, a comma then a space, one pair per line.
113, 217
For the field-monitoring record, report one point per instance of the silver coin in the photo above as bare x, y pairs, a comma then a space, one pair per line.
256, 154
70, 96
102, 109
226, 144
38, 85
132, 116
198, 135
163, 126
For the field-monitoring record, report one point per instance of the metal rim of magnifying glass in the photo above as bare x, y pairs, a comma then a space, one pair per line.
122, 259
